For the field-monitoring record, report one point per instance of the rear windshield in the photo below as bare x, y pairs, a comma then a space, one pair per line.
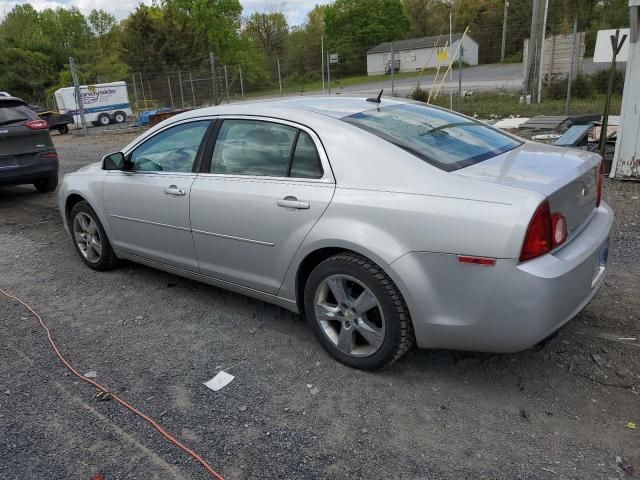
441, 138
13, 113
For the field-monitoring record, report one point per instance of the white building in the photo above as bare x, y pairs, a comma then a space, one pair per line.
418, 53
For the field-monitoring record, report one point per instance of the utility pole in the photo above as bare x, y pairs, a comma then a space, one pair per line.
76, 85
322, 50
451, 60
543, 34
532, 49
212, 60
460, 78
573, 64
135, 91
504, 31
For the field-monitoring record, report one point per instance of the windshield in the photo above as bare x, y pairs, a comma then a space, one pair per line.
442, 138
13, 114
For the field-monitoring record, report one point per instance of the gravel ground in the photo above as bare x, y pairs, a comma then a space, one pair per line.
549, 412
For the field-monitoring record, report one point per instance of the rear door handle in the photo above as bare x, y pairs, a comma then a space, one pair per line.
293, 202
175, 191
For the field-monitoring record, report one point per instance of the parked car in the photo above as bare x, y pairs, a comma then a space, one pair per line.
27, 154
381, 222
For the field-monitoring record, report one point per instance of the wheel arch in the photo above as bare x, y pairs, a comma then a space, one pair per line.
71, 201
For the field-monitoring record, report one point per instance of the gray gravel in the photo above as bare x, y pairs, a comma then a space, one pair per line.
549, 412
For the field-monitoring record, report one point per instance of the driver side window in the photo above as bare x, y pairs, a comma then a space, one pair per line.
173, 150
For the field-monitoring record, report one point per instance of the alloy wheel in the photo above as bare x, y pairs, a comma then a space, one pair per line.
350, 315
87, 237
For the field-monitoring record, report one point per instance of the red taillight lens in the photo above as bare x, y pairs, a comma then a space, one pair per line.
559, 228
484, 261
50, 155
37, 124
539, 238
600, 174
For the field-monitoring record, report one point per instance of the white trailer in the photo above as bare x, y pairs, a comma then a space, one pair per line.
103, 103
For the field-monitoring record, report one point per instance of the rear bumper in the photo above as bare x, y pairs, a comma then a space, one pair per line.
29, 171
508, 307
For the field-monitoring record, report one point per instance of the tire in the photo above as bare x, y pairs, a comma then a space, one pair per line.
46, 185
102, 259
119, 117
63, 129
104, 119
374, 336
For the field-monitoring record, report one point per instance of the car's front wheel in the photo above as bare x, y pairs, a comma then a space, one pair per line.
90, 239
357, 312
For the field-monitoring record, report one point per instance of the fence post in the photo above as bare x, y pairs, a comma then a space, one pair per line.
193, 93
241, 82
393, 69
329, 73
504, 30
144, 98
181, 91
135, 91
573, 65
279, 76
170, 93
543, 35
212, 60
322, 55
226, 83
76, 84
460, 79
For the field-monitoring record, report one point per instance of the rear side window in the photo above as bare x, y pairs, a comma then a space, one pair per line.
10, 114
441, 138
268, 149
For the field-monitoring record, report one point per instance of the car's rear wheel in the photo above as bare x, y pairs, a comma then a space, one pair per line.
104, 119
90, 239
120, 117
45, 185
63, 129
357, 312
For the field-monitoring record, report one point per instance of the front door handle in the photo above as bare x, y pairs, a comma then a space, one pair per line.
293, 202
175, 191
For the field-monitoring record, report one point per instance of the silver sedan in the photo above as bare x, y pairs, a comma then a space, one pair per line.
384, 222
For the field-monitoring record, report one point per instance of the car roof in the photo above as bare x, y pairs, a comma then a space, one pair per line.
335, 106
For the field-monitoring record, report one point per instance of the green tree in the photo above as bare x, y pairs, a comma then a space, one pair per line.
269, 31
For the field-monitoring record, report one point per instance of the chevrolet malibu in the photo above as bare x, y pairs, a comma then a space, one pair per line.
384, 222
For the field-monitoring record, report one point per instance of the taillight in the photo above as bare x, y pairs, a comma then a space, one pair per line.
37, 124
538, 240
545, 232
51, 155
600, 174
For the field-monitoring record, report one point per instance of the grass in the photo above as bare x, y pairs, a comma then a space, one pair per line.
491, 105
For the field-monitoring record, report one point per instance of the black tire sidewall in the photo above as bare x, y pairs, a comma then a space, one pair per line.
118, 114
106, 260
393, 335
46, 185
101, 117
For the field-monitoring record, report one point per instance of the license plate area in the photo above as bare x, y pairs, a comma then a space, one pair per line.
600, 258
8, 162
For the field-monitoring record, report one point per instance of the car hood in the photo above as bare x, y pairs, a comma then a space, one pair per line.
534, 166
92, 168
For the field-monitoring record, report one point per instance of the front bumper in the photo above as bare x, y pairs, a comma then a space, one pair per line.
510, 306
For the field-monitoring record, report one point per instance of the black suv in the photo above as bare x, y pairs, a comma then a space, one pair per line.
27, 154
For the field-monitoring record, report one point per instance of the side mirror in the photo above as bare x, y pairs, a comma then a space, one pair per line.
114, 161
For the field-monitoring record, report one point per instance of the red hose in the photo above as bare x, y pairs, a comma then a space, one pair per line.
115, 397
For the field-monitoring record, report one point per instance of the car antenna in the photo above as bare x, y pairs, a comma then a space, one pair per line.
378, 99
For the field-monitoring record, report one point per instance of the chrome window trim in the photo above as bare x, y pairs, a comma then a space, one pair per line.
327, 173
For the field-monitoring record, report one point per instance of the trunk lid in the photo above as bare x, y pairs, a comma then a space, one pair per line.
567, 177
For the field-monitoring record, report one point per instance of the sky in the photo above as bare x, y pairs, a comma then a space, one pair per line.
295, 10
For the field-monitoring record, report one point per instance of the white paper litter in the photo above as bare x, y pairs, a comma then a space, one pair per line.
510, 123
221, 380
